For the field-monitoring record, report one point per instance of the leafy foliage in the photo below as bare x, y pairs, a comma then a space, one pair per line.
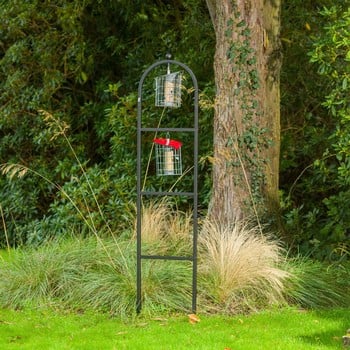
331, 54
80, 62
45, 64
314, 160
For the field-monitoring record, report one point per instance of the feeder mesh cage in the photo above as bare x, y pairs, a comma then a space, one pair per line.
168, 160
168, 90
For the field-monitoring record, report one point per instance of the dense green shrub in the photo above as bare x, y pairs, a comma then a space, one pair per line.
80, 63
332, 55
46, 64
315, 143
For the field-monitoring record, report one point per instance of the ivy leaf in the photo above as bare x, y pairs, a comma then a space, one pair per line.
83, 76
345, 83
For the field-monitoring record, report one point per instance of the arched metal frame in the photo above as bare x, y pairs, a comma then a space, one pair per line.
193, 193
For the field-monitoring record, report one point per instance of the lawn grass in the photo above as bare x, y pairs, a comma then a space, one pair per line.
281, 329
5, 255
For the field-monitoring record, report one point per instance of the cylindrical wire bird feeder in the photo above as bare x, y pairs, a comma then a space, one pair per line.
168, 156
168, 89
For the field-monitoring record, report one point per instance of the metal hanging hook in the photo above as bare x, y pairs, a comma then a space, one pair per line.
168, 57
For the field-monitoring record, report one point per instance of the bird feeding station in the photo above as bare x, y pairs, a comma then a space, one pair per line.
168, 92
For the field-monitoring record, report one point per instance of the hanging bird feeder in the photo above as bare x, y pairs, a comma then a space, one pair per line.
168, 156
168, 89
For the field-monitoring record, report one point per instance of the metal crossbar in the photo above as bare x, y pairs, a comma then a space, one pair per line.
166, 193
167, 257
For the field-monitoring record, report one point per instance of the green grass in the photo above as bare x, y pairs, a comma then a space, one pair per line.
287, 329
5, 255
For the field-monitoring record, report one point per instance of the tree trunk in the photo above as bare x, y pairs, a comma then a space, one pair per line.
246, 123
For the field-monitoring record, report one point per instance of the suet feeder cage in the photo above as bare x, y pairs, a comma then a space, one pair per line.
168, 156
168, 90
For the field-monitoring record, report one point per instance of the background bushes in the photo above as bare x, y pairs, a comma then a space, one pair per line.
81, 62
315, 113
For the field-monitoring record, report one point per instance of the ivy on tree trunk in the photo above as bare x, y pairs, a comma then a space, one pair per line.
247, 118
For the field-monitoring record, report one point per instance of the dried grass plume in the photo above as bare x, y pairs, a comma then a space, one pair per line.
239, 264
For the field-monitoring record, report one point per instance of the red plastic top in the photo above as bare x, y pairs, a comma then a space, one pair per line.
168, 142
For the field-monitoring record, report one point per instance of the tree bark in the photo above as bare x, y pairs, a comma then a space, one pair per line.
247, 118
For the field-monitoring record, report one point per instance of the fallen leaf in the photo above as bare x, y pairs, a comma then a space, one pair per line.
193, 318
5, 322
121, 333
160, 319
142, 324
303, 311
15, 338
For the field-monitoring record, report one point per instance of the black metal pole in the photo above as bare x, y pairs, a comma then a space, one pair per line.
138, 204
195, 197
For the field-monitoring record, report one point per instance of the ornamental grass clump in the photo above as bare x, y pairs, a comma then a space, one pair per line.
45, 275
165, 229
315, 285
91, 274
239, 267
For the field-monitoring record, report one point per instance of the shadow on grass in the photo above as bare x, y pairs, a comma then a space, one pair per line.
332, 336
331, 339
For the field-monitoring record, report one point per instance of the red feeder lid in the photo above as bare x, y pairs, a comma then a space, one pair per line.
168, 142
